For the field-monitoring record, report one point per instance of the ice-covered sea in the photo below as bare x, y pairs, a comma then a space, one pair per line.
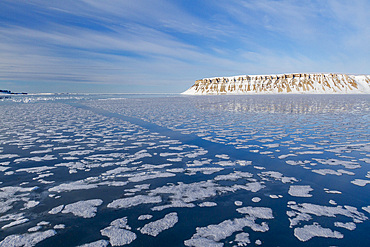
170, 170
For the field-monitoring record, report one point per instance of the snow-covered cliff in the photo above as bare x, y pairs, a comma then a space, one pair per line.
283, 83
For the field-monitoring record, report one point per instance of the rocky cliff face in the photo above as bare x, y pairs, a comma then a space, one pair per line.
284, 83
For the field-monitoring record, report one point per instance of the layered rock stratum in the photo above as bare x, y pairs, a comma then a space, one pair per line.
283, 83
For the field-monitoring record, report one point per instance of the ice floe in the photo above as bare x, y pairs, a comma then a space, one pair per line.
309, 231
98, 243
134, 201
85, 209
27, 239
300, 190
158, 226
349, 225
360, 182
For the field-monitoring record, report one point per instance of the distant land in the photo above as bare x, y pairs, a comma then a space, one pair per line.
9, 92
295, 83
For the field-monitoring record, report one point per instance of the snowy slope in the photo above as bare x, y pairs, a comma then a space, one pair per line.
283, 83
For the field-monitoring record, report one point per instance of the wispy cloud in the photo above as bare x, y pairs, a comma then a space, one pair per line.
169, 44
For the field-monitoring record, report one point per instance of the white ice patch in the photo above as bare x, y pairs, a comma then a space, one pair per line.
145, 176
256, 199
335, 162
349, 225
99, 243
234, 176
85, 209
309, 231
27, 239
158, 226
145, 217
300, 190
328, 211
242, 239
367, 209
257, 212
222, 156
279, 176
118, 236
253, 187
360, 182
118, 232
77, 185
56, 210
59, 226
285, 156
15, 223
210, 235
207, 204
134, 201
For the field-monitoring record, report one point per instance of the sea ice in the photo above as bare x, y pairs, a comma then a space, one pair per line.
27, 239
59, 226
300, 190
134, 201
156, 227
256, 199
309, 231
76, 185
215, 233
99, 243
367, 209
360, 182
85, 209
145, 217
56, 210
14, 223
118, 236
242, 239
349, 225
207, 204
257, 212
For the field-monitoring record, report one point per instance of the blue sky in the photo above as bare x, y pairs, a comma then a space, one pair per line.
133, 46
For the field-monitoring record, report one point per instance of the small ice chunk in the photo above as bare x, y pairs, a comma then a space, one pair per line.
59, 226
242, 239
309, 231
34, 229
207, 204
258, 242
56, 210
332, 202
145, 217
156, 227
31, 204
349, 225
300, 190
256, 199
238, 203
